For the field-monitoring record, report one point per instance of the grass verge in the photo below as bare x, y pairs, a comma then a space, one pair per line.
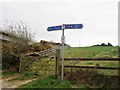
8, 74
48, 82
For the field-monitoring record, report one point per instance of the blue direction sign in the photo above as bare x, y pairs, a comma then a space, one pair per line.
66, 26
73, 26
53, 28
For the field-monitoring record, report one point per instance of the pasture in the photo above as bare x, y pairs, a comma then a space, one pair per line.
90, 52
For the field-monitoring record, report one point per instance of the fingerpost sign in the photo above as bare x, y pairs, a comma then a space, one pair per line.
63, 27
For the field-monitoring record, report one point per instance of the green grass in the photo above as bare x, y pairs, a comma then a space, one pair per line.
90, 52
48, 82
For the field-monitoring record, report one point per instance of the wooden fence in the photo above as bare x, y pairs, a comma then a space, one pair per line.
58, 65
92, 59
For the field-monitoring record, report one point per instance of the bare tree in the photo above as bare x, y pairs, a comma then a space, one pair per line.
20, 30
22, 36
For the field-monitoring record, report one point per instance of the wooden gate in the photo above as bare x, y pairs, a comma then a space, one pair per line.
42, 63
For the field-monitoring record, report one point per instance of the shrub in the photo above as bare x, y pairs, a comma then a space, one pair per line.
10, 62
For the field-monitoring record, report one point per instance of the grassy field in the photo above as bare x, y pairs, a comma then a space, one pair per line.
90, 52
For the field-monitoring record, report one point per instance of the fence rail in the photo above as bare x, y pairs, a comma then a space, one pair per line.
90, 67
93, 59
43, 53
93, 67
48, 52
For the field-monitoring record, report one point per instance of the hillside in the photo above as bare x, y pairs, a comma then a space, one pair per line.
90, 52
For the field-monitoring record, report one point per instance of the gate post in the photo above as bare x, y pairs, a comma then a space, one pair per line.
57, 64
20, 64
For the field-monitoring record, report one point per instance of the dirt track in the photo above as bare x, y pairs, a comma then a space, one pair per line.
9, 83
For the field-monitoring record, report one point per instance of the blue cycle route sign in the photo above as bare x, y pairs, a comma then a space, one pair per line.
66, 26
73, 26
54, 28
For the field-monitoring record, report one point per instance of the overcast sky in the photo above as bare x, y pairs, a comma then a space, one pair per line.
99, 17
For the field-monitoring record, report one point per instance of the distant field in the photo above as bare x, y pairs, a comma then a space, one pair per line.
95, 51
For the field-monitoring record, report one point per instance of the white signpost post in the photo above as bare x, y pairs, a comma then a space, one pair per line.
63, 27
63, 41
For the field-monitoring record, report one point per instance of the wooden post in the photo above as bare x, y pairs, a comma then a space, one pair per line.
57, 64
20, 65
